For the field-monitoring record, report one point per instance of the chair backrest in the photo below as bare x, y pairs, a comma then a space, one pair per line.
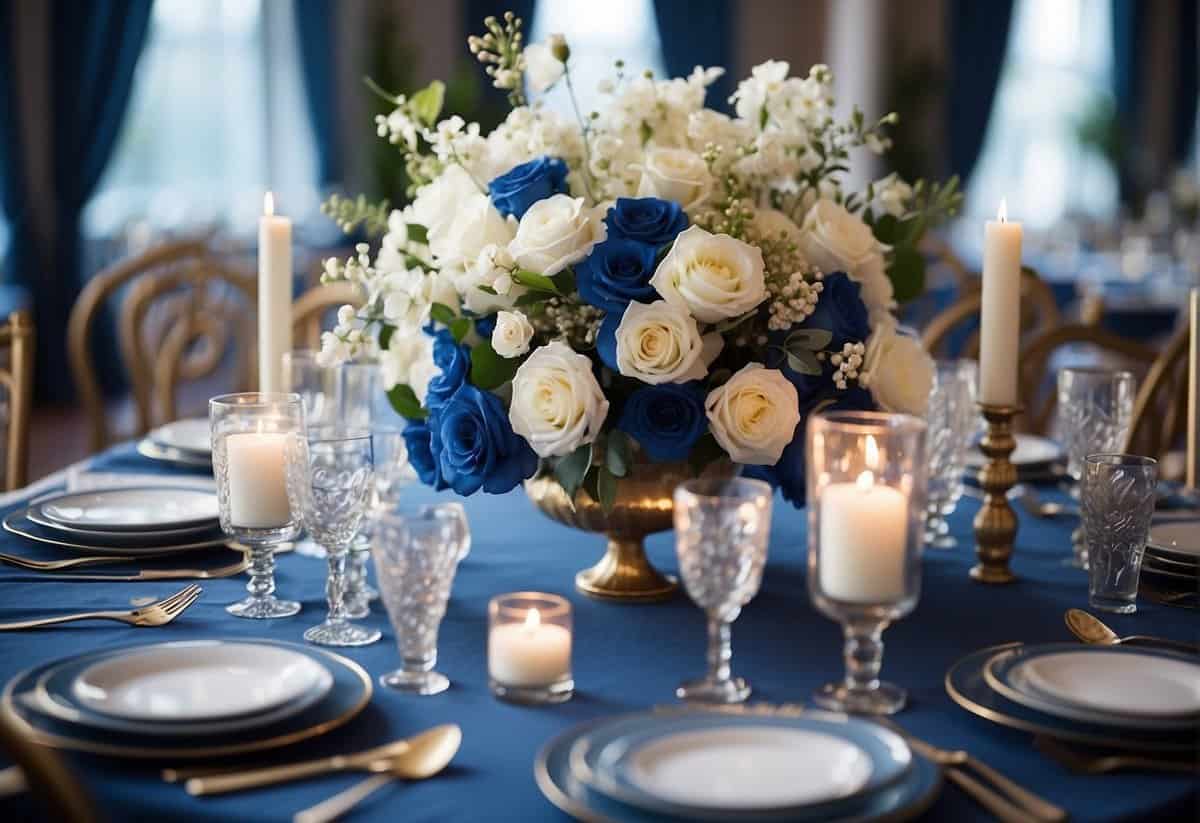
1160, 409
16, 376
60, 793
1039, 313
310, 311
1043, 356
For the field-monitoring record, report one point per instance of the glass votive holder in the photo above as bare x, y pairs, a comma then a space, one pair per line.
529, 648
866, 505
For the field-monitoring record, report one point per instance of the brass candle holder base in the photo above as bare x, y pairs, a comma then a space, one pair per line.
996, 523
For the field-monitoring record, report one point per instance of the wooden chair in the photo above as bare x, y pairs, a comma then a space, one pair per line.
1160, 408
16, 376
1039, 313
310, 312
60, 794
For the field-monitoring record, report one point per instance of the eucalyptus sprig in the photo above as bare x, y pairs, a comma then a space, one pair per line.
349, 213
500, 49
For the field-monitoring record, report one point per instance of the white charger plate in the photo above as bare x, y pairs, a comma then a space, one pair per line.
217, 681
132, 509
193, 434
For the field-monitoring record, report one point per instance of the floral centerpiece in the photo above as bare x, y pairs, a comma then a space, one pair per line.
652, 281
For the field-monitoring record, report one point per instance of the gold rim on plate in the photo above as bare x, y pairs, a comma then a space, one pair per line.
12, 528
115, 750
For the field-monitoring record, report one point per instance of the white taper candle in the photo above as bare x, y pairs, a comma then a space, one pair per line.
274, 295
1000, 324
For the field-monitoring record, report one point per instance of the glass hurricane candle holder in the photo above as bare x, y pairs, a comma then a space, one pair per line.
866, 504
249, 438
529, 648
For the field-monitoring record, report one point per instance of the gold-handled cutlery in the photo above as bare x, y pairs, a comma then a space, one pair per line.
1085, 763
1090, 629
56, 565
231, 570
436, 757
156, 614
1027, 803
400, 759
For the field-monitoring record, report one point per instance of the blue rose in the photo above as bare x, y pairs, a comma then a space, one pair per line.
787, 475
516, 190
418, 437
606, 339
617, 271
475, 445
646, 219
454, 360
484, 326
840, 311
666, 419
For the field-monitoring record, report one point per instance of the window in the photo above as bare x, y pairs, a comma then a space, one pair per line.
1056, 80
216, 116
599, 34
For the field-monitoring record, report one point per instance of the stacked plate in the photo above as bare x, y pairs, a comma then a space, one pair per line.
124, 521
188, 699
1128, 697
1038, 459
1172, 558
701, 765
184, 442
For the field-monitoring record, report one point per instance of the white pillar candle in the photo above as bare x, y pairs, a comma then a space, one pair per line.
529, 654
274, 296
864, 529
257, 481
1000, 324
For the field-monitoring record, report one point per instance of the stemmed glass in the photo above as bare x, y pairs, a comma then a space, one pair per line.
1094, 414
952, 420
316, 384
721, 531
416, 554
250, 432
866, 503
329, 477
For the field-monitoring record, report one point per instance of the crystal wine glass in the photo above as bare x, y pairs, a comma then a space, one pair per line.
866, 504
316, 384
952, 422
416, 554
329, 477
722, 528
250, 432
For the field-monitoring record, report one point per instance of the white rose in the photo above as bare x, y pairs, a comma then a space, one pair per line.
556, 232
542, 68
476, 224
557, 405
713, 276
660, 343
511, 336
877, 291
835, 239
754, 415
675, 174
897, 370
408, 360
438, 201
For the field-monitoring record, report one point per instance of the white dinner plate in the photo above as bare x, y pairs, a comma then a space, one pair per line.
195, 683
1031, 451
175, 457
133, 509
101, 536
192, 434
1176, 536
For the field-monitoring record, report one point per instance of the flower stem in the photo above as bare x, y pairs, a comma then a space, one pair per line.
585, 129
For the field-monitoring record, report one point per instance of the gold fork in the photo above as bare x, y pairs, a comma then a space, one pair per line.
156, 614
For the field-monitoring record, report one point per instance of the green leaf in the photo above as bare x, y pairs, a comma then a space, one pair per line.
459, 328
606, 489
385, 335
706, 450
803, 362
442, 313
763, 117
426, 104
887, 229
564, 281
808, 339
488, 369
530, 298
617, 454
486, 289
645, 132
404, 401
417, 233
907, 271
731, 323
535, 281
571, 469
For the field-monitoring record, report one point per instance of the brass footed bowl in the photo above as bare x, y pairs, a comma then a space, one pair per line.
643, 506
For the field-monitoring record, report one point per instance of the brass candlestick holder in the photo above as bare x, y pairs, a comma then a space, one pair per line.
996, 523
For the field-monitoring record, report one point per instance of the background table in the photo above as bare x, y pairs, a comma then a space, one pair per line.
626, 658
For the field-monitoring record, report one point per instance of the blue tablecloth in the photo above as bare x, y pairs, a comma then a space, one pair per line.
626, 658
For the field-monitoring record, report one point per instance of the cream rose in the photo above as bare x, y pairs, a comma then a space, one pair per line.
557, 405
897, 370
675, 174
835, 239
713, 276
555, 233
511, 336
754, 415
660, 343
408, 360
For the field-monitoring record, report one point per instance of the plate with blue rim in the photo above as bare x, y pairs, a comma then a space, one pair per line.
967, 686
905, 798
348, 695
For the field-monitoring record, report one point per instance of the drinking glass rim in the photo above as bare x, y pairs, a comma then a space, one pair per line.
348, 434
558, 606
404, 511
1120, 459
1122, 373
751, 488
869, 422
254, 400
301, 354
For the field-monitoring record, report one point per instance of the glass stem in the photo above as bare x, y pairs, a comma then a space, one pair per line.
335, 585
262, 571
863, 651
720, 649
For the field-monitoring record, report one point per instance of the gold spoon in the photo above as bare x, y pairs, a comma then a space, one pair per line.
1090, 629
415, 758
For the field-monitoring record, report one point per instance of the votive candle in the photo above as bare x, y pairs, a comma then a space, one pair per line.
529, 647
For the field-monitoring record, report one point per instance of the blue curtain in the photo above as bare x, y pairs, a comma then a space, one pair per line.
1187, 85
698, 33
95, 48
14, 197
315, 32
978, 44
